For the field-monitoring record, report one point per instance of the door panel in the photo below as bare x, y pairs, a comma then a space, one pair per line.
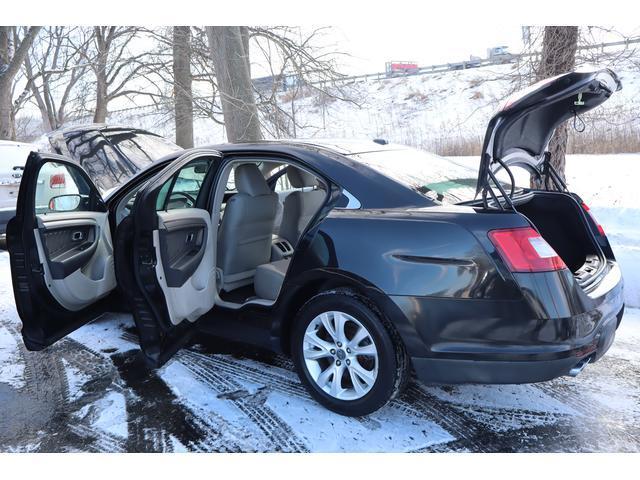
76, 253
60, 249
185, 262
173, 254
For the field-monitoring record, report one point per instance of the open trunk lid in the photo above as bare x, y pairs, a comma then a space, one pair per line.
520, 132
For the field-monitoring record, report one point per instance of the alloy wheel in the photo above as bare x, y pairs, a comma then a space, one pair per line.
340, 355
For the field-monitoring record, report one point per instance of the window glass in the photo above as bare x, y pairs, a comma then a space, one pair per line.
283, 184
111, 157
62, 188
437, 178
142, 149
182, 190
231, 181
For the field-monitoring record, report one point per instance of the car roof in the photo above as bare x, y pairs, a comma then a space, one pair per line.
341, 146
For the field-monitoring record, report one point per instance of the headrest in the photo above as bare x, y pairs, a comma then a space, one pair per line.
299, 178
249, 180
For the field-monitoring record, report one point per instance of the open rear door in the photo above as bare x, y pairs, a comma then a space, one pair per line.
173, 272
60, 248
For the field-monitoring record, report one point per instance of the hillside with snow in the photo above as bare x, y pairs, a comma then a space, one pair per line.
444, 112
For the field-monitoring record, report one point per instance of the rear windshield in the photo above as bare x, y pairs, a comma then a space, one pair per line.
435, 177
113, 156
142, 148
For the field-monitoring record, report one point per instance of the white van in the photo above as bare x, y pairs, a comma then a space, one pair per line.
13, 156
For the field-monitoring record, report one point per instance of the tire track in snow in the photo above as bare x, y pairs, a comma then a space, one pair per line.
275, 430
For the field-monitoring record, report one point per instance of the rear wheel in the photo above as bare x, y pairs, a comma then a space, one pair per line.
348, 356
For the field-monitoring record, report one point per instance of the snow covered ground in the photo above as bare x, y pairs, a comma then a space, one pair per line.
91, 392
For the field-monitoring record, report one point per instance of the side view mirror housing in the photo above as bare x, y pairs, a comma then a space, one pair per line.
65, 203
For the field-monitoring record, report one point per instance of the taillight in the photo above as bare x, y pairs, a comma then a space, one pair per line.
57, 180
524, 250
590, 213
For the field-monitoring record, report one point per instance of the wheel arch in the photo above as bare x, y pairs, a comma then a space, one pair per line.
323, 281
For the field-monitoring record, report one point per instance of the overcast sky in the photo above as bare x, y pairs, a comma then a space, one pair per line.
372, 46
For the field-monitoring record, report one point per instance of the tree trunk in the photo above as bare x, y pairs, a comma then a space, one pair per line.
559, 47
10, 62
100, 115
7, 131
103, 44
230, 60
182, 86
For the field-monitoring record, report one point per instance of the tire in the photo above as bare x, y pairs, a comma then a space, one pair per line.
385, 363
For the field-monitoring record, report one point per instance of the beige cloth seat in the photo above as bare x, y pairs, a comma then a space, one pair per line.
300, 206
269, 278
244, 237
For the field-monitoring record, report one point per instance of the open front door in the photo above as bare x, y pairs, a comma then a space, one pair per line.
173, 270
60, 249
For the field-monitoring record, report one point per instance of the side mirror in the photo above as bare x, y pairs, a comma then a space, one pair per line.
65, 203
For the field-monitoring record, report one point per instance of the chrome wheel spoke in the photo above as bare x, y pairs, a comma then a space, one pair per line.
357, 385
315, 353
336, 382
323, 378
329, 326
313, 339
367, 377
339, 320
360, 335
368, 350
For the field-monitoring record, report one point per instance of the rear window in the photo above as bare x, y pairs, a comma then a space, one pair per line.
112, 157
142, 148
435, 177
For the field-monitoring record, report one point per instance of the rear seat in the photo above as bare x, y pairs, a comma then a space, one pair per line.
268, 278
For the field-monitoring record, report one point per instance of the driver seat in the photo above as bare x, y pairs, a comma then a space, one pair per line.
245, 235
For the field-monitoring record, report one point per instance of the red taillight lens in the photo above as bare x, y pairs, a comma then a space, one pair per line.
524, 250
57, 180
590, 213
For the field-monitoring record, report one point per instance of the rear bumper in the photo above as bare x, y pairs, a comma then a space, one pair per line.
538, 338
6, 214
528, 368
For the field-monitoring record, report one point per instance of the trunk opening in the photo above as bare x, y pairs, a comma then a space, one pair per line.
563, 224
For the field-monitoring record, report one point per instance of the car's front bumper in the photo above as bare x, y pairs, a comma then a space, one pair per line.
483, 341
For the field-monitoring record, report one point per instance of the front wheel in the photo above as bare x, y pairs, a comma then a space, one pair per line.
347, 355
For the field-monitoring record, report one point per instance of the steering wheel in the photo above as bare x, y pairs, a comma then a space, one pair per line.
189, 199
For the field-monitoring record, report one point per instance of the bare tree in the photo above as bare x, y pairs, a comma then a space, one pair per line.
558, 56
301, 62
231, 63
13, 51
116, 65
182, 91
53, 68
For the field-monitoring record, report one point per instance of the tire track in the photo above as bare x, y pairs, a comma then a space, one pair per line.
276, 431
233, 367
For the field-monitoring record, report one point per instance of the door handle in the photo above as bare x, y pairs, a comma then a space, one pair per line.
77, 236
190, 237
